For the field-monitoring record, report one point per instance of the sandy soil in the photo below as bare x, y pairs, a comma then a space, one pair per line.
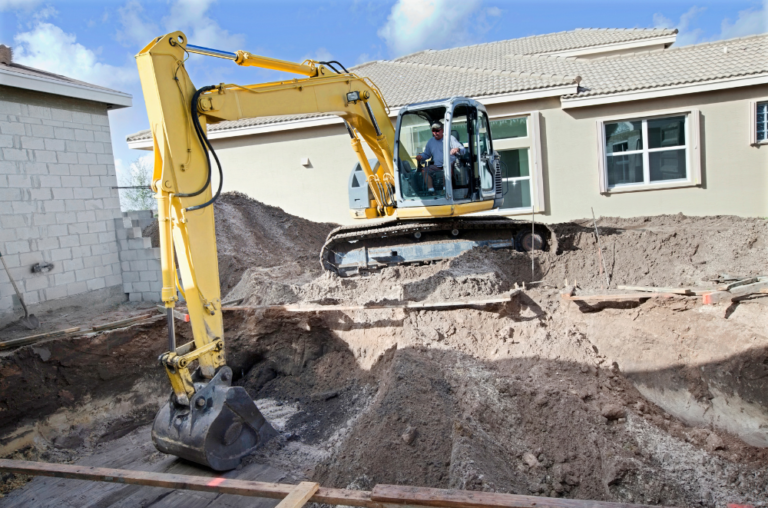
625, 402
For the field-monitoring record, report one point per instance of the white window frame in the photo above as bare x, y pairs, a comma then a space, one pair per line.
753, 123
692, 147
532, 141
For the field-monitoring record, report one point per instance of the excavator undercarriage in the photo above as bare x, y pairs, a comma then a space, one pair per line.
357, 250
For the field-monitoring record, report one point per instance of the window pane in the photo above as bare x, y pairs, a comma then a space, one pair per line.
509, 128
517, 194
762, 121
514, 163
667, 165
663, 132
624, 169
623, 136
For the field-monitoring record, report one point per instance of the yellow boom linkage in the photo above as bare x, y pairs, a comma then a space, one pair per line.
207, 420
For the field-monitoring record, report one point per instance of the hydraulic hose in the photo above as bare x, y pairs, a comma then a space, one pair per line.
206, 147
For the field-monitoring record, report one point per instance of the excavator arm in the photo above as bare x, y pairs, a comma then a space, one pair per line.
207, 420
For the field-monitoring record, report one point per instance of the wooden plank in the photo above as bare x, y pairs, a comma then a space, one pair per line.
31, 339
395, 305
174, 481
742, 282
121, 323
616, 297
651, 289
422, 496
737, 292
299, 496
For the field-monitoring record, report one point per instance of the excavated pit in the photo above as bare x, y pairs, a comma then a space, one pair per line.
658, 402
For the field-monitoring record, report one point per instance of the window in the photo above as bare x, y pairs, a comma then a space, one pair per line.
759, 128
650, 152
517, 141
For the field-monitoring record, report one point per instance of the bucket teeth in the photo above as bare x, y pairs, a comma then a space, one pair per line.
219, 427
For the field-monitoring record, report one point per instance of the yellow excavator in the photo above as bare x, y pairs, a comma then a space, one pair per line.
421, 209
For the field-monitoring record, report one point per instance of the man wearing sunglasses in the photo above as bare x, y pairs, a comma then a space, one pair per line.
434, 151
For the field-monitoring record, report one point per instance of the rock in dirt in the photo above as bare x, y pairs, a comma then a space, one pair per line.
714, 442
613, 412
409, 435
531, 459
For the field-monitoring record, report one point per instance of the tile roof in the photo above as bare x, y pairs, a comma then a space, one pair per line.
524, 64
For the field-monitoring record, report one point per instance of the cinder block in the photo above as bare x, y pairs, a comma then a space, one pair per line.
64, 278
149, 275
85, 274
67, 218
100, 119
61, 115
53, 293
11, 108
95, 147
59, 169
43, 131
78, 228
55, 145
127, 287
18, 247
14, 154
38, 167
150, 296
128, 255
8, 168
94, 204
77, 147
76, 288
38, 112
28, 120
52, 123
93, 181
78, 169
98, 227
83, 193
154, 264
31, 297
92, 261
7, 195
87, 158
121, 234
89, 239
40, 281
74, 264
44, 219
134, 297
129, 276
71, 181
82, 118
69, 241
156, 285
112, 280
56, 230
12, 260
139, 266
61, 254
102, 271
7, 235
87, 216
13, 221
106, 237
66, 157
55, 206
74, 205
6, 141
23, 207
141, 286
45, 156
24, 181
84, 251
12, 128
101, 248
32, 143
83, 135
64, 133
63, 193
102, 192
28, 233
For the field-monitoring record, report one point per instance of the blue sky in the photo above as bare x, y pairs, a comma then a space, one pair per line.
95, 40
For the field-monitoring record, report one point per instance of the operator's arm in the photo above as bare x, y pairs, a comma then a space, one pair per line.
427, 153
456, 147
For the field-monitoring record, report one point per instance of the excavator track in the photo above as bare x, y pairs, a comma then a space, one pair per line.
355, 250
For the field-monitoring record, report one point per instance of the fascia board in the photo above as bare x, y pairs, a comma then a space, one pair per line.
688, 88
146, 144
54, 87
617, 46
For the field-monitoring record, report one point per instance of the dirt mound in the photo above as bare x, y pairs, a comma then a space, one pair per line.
252, 234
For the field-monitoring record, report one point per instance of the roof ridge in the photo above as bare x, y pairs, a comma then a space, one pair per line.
573, 79
58, 77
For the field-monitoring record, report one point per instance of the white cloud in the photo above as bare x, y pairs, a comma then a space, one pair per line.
190, 17
137, 30
686, 33
321, 55
45, 13
49, 48
414, 25
11, 5
493, 11
750, 22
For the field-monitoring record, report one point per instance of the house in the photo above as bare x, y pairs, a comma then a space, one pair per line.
60, 219
617, 120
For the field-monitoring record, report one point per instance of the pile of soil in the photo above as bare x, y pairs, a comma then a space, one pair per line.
252, 234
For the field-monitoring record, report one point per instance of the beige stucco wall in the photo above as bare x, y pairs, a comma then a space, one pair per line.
735, 180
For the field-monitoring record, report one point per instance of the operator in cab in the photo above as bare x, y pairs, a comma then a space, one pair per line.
434, 150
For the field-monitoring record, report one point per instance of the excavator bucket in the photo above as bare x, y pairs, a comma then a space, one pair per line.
220, 426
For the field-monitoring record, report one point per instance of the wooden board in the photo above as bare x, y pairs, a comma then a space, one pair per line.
394, 305
650, 289
616, 297
422, 496
31, 339
299, 496
737, 292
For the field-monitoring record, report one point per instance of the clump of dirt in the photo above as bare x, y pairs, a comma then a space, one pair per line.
252, 234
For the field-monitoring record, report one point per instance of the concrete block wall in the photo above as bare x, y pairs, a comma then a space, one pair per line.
56, 201
139, 261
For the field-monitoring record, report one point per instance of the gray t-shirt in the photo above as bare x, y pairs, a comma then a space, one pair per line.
434, 150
